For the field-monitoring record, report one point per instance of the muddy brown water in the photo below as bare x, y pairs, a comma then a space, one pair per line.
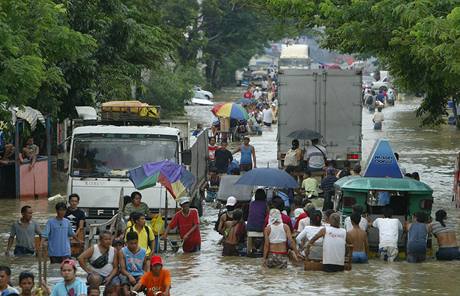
429, 151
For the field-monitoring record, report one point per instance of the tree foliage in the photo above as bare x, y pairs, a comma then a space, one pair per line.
418, 41
35, 41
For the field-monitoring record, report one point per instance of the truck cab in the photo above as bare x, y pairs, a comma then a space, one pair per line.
101, 156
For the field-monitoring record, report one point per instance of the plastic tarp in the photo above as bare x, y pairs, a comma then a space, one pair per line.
228, 188
29, 114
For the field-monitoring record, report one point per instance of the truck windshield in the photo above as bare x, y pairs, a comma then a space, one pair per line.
114, 155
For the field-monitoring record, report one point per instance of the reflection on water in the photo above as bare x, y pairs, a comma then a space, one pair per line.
431, 152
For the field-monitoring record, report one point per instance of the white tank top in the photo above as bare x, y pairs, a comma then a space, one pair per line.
334, 246
277, 234
107, 269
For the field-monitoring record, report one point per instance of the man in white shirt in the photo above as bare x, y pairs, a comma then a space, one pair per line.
257, 93
378, 119
267, 116
315, 156
389, 229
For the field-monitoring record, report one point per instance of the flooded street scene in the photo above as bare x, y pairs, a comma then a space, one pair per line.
209, 147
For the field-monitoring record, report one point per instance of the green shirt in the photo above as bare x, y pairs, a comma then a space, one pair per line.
143, 208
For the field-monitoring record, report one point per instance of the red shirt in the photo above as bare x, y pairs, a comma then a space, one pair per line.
248, 95
184, 224
301, 216
212, 151
285, 218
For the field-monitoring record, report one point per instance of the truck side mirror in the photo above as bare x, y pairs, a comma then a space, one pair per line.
187, 157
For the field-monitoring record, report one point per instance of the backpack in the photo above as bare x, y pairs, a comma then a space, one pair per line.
149, 241
369, 100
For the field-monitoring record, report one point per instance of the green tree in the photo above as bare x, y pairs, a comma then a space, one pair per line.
416, 40
35, 41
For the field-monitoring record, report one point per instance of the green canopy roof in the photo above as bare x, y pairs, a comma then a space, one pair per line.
387, 184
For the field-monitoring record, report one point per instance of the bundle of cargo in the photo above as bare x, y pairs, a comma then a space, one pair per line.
129, 110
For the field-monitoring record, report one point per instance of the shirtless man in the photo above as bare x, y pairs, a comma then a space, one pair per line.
445, 234
234, 233
276, 235
358, 238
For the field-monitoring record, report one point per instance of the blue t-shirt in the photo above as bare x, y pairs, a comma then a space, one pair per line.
77, 288
58, 232
134, 262
9, 291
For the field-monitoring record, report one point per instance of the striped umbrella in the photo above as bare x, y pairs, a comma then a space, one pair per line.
174, 177
230, 110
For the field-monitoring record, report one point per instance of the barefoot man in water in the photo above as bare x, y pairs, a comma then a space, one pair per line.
277, 234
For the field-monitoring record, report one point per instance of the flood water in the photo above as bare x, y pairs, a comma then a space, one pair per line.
431, 152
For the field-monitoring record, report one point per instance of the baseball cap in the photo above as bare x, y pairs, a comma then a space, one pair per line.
297, 212
231, 201
184, 200
156, 260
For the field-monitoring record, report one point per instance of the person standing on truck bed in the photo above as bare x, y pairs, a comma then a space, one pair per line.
315, 156
136, 205
248, 156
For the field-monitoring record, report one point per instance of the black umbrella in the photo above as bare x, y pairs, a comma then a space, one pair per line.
304, 134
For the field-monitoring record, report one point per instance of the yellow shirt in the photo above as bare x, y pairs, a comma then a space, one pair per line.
143, 238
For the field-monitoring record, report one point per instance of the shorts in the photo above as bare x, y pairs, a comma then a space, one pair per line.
245, 167
125, 281
114, 282
267, 124
451, 253
333, 268
192, 249
378, 126
388, 253
359, 257
229, 250
416, 257
23, 251
277, 260
58, 259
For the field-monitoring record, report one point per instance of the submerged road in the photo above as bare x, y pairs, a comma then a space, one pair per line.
431, 152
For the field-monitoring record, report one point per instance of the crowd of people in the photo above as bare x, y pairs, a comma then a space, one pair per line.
122, 263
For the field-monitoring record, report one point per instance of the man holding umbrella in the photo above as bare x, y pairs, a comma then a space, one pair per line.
188, 223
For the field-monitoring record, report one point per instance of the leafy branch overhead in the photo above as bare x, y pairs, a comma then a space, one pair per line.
418, 41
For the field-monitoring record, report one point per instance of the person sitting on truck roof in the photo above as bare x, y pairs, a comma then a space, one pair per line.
136, 205
315, 156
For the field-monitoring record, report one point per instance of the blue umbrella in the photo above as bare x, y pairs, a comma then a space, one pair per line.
245, 102
268, 177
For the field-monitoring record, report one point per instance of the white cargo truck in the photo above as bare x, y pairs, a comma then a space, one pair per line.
102, 152
295, 56
325, 101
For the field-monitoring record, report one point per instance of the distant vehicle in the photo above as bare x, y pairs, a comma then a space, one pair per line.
296, 56
202, 102
239, 76
325, 101
257, 77
200, 93
368, 81
383, 83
